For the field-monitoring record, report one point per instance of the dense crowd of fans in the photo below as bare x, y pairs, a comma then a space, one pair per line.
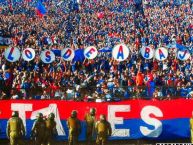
102, 23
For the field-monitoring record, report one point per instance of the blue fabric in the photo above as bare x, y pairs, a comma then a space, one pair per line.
151, 88
183, 92
7, 75
180, 47
41, 8
171, 129
56, 52
105, 49
79, 55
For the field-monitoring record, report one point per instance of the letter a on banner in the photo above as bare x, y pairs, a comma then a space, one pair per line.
120, 52
12, 54
161, 53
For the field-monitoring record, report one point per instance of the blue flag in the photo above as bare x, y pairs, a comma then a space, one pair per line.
41, 9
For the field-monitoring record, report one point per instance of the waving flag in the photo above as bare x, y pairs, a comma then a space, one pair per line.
41, 9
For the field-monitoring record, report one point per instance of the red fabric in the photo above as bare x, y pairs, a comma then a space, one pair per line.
18, 87
38, 13
65, 107
139, 79
100, 15
169, 82
150, 77
155, 65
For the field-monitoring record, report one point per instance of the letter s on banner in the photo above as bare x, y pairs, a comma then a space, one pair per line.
28, 54
145, 115
47, 56
12, 54
112, 109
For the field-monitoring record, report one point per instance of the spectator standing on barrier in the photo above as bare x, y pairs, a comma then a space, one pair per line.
38, 130
50, 131
74, 127
15, 129
103, 130
191, 129
90, 125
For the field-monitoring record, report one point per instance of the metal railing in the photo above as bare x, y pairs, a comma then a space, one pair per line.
91, 93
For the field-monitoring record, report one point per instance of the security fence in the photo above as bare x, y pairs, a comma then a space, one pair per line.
98, 94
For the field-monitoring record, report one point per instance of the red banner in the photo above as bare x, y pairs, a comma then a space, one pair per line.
129, 119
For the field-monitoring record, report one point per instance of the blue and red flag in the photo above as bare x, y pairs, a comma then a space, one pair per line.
132, 119
41, 9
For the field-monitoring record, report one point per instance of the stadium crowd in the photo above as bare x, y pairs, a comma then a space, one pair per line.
102, 23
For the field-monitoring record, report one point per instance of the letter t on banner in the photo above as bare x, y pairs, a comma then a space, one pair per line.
22, 109
52, 108
112, 109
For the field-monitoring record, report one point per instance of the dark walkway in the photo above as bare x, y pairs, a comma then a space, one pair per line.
124, 142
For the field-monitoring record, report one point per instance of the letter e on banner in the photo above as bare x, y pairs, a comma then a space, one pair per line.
28, 54
145, 116
12, 54
112, 109
47, 56
161, 53
67, 54
120, 52
90, 52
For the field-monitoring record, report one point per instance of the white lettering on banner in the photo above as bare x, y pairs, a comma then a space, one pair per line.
145, 116
52, 108
112, 109
21, 108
